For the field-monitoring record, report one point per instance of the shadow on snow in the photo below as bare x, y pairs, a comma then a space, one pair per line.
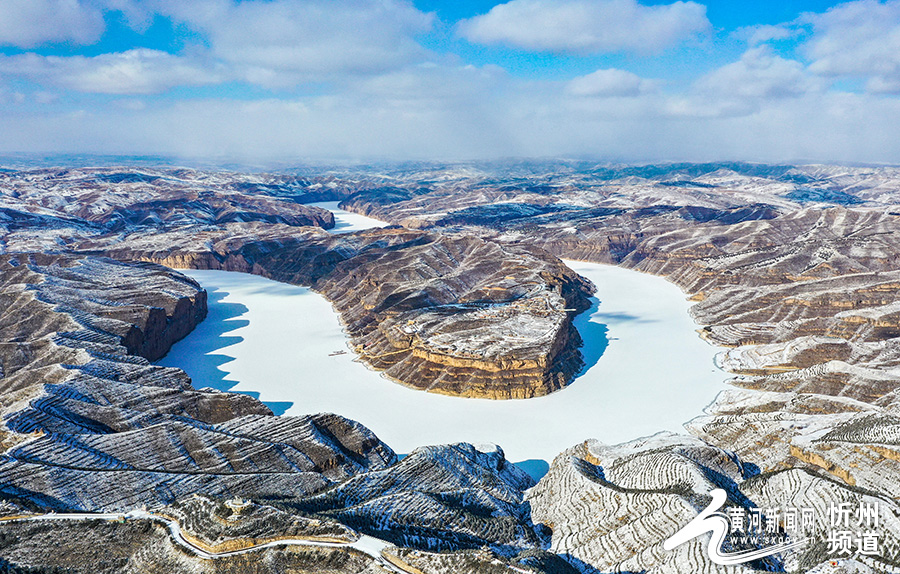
593, 334
201, 352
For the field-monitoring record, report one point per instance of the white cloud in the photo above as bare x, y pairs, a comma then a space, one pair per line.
272, 43
759, 74
529, 121
8, 96
759, 80
386, 96
610, 83
586, 26
139, 71
434, 84
30, 23
284, 42
132, 104
858, 39
757, 35
43, 97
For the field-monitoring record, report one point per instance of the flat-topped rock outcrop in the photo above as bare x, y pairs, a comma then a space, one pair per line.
92, 425
453, 315
448, 314
794, 271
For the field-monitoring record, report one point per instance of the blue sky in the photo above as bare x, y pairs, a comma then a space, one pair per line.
295, 80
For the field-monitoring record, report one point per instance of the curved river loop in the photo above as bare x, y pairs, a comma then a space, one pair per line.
647, 368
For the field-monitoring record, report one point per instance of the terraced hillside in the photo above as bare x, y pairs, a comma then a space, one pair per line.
794, 271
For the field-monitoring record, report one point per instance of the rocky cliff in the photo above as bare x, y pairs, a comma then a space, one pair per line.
793, 271
448, 314
453, 315
93, 425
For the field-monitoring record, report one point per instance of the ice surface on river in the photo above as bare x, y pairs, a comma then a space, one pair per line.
648, 370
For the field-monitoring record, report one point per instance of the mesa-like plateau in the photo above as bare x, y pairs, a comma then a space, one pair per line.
794, 272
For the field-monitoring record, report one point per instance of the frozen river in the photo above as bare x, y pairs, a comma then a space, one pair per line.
344, 221
648, 370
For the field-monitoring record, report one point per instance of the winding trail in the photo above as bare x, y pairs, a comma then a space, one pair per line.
366, 544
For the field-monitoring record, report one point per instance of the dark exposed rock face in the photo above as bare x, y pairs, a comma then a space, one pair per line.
93, 426
807, 303
454, 315
99, 427
60, 308
794, 270
449, 314
805, 298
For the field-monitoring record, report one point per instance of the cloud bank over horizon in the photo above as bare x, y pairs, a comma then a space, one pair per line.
394, 79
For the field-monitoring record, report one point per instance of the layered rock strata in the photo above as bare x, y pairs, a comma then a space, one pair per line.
451, 315
93, 425
803, 296
794, 270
